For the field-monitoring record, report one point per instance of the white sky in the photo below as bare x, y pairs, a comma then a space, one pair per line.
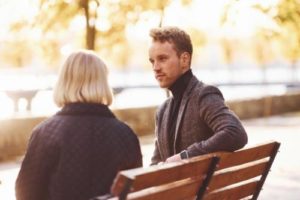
14, 10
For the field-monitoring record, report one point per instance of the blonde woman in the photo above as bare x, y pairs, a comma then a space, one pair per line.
75, 154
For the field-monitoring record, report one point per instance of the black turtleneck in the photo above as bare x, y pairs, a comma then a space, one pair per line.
177, 89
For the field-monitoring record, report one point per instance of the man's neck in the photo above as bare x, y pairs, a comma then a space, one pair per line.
179, 86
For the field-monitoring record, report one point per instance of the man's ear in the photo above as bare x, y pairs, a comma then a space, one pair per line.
185, 59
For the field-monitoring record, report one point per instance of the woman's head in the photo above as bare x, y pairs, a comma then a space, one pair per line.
83, 78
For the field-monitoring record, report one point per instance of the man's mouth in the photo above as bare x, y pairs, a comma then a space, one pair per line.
159, 76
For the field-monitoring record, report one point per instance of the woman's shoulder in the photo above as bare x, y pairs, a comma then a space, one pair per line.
44, 132
43, 124
121, 127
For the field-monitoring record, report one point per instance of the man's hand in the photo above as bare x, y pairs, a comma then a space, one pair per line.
174, 158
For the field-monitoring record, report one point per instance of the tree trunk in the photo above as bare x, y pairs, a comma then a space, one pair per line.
162, 12
90, 37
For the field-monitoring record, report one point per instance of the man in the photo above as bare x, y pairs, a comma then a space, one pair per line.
195, 120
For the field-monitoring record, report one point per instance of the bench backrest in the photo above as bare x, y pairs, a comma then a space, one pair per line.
241, 174
175, 181
216, 176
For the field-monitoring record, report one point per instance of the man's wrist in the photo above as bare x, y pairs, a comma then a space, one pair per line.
184, 154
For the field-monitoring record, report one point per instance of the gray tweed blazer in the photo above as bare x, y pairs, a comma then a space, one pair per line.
204, 124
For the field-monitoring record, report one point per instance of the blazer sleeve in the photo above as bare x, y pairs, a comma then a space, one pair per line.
33, 178
156, 158
228, 131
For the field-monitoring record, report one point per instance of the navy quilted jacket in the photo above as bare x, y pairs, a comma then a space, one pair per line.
75, 154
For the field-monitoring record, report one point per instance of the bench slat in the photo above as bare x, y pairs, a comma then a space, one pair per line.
140, 178
238, 192
183, 171
185, 189
237, 174
246, 155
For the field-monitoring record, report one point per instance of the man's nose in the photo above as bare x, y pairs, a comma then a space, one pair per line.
156, 66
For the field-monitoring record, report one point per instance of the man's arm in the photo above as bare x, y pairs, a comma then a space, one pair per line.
156, 158
229, 133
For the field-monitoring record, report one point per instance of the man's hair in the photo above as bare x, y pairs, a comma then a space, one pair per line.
83, 78
180, 39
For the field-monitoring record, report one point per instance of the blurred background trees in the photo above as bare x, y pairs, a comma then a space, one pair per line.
285, 37
105, 24
59, 26
288, 18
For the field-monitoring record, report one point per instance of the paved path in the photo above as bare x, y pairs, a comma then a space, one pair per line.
283, 181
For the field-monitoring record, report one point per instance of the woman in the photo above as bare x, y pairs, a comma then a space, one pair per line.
75, 154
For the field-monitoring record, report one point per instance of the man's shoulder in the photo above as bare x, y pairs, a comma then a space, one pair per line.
202, 89
198, 90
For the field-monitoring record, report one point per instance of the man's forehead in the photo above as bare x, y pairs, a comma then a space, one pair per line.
162, 42
161, 46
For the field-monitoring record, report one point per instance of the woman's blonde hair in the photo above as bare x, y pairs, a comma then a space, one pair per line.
83, 78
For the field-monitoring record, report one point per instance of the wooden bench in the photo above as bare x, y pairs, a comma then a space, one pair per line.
241, 174
220, 175
181, 180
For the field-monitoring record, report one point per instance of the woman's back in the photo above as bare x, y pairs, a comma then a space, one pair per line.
85, 147
76, 154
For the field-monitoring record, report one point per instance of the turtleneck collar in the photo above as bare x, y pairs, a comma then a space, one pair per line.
179, 86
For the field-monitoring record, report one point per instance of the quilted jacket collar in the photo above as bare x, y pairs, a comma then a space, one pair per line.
86, 109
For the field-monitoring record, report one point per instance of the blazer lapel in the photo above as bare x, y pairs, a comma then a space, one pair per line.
163, 137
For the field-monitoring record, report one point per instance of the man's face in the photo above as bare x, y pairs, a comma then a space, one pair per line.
166, 64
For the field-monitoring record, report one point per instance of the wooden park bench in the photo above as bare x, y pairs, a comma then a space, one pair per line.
220, 175
241, 174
